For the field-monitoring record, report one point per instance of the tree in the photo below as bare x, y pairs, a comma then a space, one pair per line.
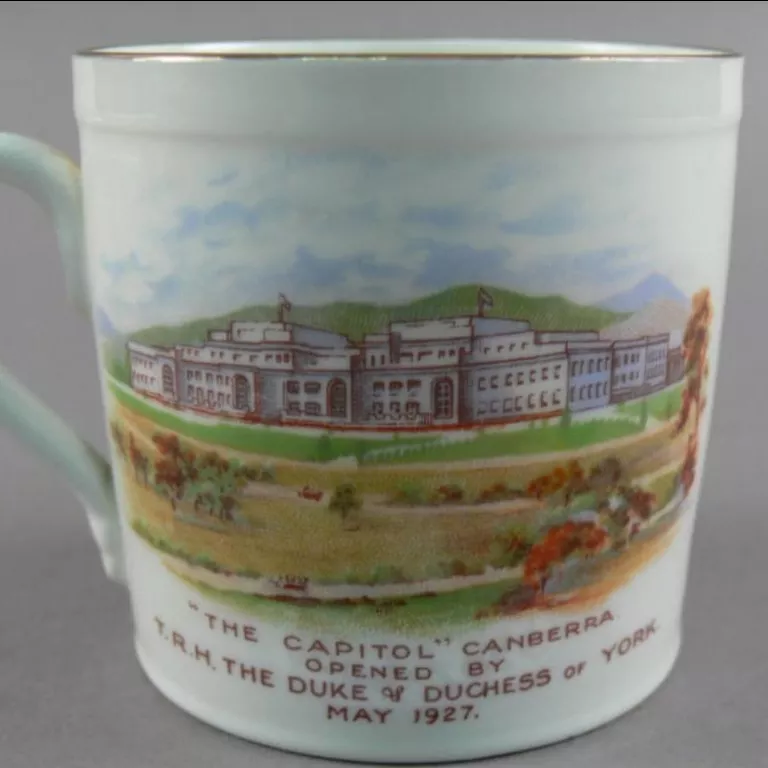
175, 468
219, 483
139, 461
583, 538
118, 439
346, 503
695, 350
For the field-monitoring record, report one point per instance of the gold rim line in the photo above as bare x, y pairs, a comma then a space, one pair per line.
238, 50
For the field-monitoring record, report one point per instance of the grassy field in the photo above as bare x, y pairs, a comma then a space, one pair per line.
661, 406
281, 443
461, 608
280, 536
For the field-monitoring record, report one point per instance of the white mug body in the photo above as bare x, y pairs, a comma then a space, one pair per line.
407, 353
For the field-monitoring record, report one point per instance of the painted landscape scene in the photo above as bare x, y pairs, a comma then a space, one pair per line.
474, 453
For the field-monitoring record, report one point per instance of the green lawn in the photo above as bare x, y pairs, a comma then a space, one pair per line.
284, 444
538, 439
661, 406
252, 438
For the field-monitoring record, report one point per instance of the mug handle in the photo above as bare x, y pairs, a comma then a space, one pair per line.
53, 181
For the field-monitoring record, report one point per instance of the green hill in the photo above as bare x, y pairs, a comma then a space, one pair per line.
355, 319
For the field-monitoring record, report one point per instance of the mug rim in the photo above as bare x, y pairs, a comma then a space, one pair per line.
411, 49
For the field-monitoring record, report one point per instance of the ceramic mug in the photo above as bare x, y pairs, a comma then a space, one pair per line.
407, 352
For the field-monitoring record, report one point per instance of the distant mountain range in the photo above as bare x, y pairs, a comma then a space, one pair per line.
662, 316
653, 288
355, 319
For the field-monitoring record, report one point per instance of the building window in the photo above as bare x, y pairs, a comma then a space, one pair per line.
200, 396
292, 387
558, 368
623, 378
545, 373
443, 399
198, 376
312, 409
337, 399
190, 392
229, 399
509, 405
441, 354
254, 358
494, 382
211, 398
394, 409
589, 392
373, 361
268, 358
519, 403
486, 350
287, 357
452, 353
520, 378
414, 387
531, 401
294, 408
512, 347
524, 345
383, 359
378, 409
395, 387
510, 379
312, 387
582, 390
573, 393
481, 382
220, 399
543, 400
481, 409
242, 393
169, 386
591, 368
411, 410
378, 388
573, 368
532, 375
556, 397
229, 381
219, 380
626, 358
236, 356
494, 406
189, 375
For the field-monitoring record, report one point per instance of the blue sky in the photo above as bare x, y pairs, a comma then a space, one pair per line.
233, 230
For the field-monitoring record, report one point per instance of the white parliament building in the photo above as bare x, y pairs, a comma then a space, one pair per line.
451, 372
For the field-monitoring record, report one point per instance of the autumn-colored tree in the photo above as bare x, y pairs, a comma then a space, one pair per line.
695, 351
138, 460
346, 503
570, 480
582, 538
175, 468
696, 356
118, 439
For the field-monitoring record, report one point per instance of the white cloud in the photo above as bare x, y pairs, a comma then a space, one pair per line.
227, 226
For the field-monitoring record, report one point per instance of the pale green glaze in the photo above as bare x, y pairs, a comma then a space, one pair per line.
53, 181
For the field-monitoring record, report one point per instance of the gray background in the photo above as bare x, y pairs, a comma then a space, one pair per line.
71, 694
